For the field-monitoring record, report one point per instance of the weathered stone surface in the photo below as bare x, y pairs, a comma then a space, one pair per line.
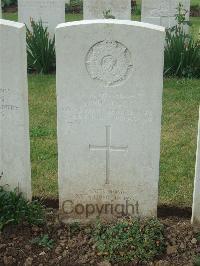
109, 95
196, 194
14, 122
50, 12
162, 12
96, 9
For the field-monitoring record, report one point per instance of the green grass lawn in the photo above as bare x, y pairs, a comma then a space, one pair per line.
195, 2
178, 145
42, 106
195, 28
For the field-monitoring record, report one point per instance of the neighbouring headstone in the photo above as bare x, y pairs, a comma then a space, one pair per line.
15, 170
50, 12
109, 95
99, 9
162, 12
196, 194
0, 10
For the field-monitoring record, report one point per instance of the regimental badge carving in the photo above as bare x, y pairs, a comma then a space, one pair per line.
109, 62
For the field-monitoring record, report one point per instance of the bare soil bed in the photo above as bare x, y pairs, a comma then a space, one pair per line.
74, 246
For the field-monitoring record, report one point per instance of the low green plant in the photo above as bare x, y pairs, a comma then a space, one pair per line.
182, 56
43, 241
180, 18
196, 261
135, 8
6, 3
74, 228
40, 49
107, 14
198, 236
129, 240
75, 6
15, 209
182, 51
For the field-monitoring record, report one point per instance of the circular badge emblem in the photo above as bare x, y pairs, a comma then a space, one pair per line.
109, 62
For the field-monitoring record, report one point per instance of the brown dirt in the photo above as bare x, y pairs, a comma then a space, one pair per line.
75, 247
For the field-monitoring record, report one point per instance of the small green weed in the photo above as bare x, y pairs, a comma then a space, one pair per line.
129, 240
74, 228
15, 209
107, 14
43, 241
198, 236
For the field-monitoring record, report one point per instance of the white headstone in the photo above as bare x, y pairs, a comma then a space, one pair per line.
51, 12
162, 12
109, 95
15, 167
196, 195
96, 9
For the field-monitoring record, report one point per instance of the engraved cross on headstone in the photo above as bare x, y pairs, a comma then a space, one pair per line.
108, 148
